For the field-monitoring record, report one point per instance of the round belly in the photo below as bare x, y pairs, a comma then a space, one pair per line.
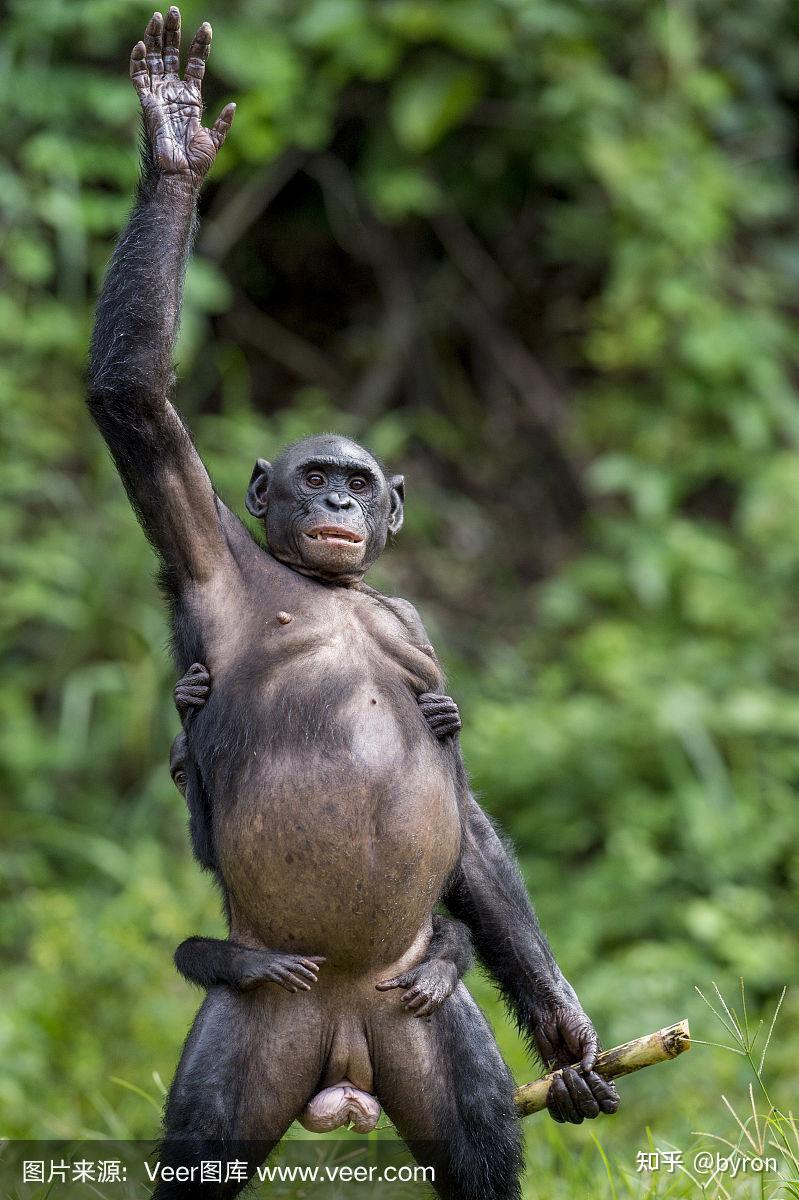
340, 852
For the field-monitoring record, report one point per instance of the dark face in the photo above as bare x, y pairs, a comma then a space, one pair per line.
327, 507
177, 763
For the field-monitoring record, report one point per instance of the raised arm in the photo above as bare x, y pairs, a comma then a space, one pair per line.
130, 363
488, 894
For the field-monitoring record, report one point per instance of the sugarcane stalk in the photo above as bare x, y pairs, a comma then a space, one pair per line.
657, 1047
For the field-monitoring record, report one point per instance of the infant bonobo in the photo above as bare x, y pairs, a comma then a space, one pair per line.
211, 961
335, 822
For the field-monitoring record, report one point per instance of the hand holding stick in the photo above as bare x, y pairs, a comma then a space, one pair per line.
621, 1060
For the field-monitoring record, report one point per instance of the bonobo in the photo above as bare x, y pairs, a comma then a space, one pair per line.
208, 961
337, 821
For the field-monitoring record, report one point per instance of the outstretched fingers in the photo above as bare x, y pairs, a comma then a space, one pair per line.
154, 43
139, 75
306, 969
297, 972
198, 52
171, 53
221, 126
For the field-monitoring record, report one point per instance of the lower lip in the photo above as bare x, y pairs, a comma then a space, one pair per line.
336, 541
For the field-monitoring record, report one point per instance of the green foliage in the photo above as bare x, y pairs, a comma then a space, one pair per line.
544, 255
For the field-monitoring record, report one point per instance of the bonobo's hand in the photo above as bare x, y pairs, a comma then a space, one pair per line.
191, 690
565, 1035
441, 714
428, 985
294, 972
172, 106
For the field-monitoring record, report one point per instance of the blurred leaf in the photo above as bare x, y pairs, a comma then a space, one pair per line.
427, 103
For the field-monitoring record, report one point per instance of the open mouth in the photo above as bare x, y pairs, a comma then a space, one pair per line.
334, 533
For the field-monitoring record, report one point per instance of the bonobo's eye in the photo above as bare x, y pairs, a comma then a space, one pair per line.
358, 483
314, 479
180, 780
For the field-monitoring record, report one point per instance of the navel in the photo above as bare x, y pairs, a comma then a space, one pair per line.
284, 618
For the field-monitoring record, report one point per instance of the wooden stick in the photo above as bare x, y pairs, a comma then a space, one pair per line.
621, 1060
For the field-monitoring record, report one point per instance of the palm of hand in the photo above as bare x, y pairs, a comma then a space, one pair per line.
172, 110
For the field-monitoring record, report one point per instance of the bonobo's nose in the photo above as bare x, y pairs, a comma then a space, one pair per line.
338, 500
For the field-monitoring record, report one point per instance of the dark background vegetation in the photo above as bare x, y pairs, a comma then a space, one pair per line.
543, 256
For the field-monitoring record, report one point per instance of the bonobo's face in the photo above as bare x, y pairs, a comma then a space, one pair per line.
327, 507
177, 762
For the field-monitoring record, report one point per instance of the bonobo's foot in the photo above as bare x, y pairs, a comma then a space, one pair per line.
564, 1035
294, 972
441, 713
191, 690
428, 985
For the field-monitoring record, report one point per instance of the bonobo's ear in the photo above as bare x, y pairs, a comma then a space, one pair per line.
256, 492
396, 489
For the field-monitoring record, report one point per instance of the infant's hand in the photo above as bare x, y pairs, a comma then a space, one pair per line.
428, 985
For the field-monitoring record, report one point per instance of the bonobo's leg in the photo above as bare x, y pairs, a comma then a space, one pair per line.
243, 1077
445, 1087
210, 961
448, 958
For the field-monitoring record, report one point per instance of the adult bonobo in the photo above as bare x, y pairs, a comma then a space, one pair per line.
337, 819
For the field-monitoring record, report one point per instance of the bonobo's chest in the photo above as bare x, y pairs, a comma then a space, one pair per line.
336, 817
275, 627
